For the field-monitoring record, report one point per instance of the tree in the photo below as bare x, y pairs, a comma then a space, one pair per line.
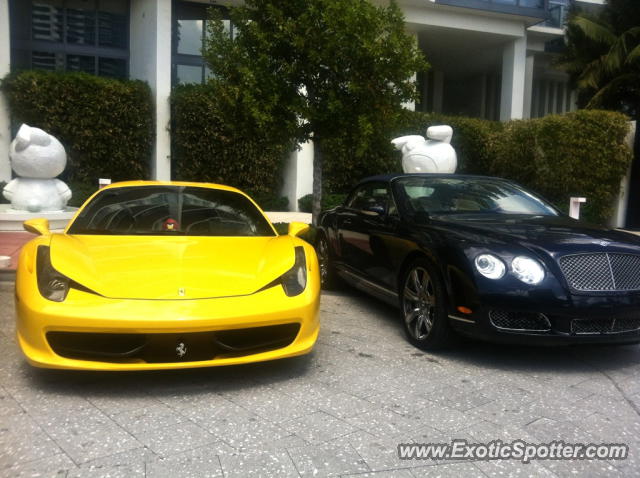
603, 57
308, 69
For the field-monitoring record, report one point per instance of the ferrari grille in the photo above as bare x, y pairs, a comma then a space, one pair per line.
519, 321
171, 347
618, 325
602, 272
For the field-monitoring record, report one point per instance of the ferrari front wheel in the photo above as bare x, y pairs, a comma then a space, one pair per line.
422, 300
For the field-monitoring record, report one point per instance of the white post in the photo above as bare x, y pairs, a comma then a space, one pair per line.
528, 86
513, 79
150, 60
5, 65
574, 207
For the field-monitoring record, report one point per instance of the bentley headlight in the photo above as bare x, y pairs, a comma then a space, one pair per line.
51, 284
295, 279
490, 266
527, 270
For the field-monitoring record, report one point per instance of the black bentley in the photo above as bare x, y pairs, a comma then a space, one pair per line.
483, 257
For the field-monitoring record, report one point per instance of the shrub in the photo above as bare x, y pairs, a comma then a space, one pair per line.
558, 156
106, 125
329, 201
214, 140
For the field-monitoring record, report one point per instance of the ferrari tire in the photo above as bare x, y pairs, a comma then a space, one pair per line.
423, 307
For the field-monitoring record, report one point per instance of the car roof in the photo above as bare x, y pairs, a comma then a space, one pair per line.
390, 177
123, 184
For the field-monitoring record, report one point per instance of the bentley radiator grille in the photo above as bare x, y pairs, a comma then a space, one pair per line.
519, 321
605, 326
602, 272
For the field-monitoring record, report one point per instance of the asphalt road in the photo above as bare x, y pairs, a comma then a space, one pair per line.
340, 411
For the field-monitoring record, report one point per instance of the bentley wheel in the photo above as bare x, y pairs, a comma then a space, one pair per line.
327, 275
423, 307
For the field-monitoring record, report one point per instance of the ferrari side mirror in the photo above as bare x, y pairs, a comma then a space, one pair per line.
37, 226
297, 228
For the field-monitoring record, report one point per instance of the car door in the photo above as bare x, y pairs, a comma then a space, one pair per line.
365, 229
350, 239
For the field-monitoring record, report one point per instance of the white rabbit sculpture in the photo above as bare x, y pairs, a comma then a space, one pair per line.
432, 155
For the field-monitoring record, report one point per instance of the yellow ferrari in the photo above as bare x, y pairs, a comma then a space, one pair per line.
161, 275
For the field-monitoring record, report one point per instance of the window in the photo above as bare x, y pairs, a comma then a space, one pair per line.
72, 35
370, 197
468, 196
170, 210
188, 34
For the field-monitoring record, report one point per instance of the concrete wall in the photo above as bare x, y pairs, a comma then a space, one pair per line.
298, 175
5, 125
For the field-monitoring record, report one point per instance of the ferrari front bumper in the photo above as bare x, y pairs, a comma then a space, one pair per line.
172, 327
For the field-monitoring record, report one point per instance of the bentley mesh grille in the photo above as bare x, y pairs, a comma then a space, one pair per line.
519, 321
618, 325
602, 272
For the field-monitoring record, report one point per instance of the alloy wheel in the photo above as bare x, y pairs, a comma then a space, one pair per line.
419, 303
323, 260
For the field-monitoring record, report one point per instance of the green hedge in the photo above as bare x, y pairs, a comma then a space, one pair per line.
558, 156
214, 141
106, 125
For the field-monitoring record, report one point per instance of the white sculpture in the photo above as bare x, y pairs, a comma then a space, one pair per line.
432, 155
37, 158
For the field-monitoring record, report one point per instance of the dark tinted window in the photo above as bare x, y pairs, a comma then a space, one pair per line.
370, 196
171, 210
468, 196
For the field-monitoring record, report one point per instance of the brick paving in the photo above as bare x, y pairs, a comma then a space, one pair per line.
338, 412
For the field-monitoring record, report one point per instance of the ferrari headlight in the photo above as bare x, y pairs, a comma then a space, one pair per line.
527, 270
490, 266
295, 279
51, 284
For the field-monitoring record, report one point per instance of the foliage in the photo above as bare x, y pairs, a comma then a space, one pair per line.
603, 57
472, 140
270, 202
315, 68
81, 192
329, 201
559, 156
106, 125
217, 140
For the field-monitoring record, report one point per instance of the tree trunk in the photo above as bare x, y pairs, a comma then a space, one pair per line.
316, 205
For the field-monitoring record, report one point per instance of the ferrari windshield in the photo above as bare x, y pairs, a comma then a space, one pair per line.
446, 195
170, 210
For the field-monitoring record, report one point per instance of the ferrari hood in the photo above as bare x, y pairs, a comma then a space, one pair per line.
152, 267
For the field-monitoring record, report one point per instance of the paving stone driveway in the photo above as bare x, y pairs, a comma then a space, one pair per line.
340, 411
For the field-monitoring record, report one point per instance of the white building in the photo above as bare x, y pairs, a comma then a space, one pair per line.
490, 58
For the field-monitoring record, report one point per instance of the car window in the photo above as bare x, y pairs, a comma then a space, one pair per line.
171, 210
468, 196
370, 195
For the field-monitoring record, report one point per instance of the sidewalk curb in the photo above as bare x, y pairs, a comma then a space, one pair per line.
7, 276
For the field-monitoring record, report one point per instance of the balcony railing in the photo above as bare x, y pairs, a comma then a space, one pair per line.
528, 8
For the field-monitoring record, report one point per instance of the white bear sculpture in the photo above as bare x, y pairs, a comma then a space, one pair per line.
432, 155
37, 158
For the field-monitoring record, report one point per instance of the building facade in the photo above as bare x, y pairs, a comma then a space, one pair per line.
490, 59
